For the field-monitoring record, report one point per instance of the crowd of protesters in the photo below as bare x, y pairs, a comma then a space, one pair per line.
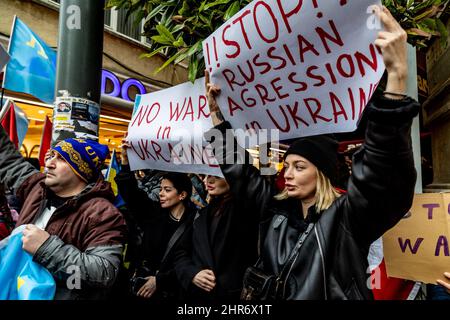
193, 238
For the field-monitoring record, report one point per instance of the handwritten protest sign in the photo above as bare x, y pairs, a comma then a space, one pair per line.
304, 67
417, 248
166, 131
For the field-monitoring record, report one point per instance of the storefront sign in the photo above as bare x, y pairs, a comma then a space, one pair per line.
120, 90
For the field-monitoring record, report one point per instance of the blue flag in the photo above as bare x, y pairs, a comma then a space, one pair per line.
20, 277
32, 65
111, 173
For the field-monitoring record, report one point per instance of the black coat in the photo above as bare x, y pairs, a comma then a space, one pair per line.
157, 230
332, 263
233, 249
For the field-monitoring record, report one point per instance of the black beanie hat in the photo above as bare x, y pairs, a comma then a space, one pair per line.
321, 150
180, 181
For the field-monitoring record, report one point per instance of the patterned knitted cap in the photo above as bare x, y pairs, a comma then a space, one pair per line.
85, 157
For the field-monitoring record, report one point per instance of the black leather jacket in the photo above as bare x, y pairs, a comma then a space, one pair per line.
332, 263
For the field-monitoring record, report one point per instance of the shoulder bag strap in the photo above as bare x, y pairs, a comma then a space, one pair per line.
295, 251
176, 235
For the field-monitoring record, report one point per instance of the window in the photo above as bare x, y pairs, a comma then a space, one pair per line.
108, 17
116, 20
127, 26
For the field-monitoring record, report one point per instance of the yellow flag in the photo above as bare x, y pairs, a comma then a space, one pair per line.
20, 283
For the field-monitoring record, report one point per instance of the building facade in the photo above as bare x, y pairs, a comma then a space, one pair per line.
124, 73
436, 112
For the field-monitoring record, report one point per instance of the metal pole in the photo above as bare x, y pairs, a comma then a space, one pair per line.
412, 91
78, 75
1, 100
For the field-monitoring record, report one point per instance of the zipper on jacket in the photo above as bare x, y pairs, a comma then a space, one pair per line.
323, 263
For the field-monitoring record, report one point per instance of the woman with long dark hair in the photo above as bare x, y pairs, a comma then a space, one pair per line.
163, 224
212, 258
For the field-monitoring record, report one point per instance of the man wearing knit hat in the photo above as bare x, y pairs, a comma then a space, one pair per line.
72, 227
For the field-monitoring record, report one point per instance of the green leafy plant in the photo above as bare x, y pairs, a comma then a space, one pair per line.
420, 19
176, 28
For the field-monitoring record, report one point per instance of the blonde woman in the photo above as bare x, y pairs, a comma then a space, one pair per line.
334, 231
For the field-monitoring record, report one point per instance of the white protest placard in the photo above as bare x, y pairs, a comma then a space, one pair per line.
4, 57
166, 131
304, 67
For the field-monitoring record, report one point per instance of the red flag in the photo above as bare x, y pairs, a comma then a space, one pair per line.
45, 140
392, 288
9, 124
384, 287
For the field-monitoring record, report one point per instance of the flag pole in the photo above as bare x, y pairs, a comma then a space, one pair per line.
1, 100
6, 68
